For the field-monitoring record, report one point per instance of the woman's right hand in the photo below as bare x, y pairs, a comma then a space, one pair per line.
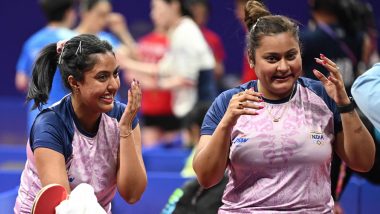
242, 103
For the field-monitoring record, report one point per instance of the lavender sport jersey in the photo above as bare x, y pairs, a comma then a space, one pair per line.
90, 158
284, 166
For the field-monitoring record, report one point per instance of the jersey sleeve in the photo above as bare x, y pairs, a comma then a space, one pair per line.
48, 131
215, 113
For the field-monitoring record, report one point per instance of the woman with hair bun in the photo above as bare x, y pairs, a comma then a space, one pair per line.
276, 135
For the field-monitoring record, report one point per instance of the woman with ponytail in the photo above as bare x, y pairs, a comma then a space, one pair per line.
276, 135
88, 136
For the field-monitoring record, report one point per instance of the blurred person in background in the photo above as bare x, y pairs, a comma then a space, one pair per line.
97, 18
61, 16
201, 10
161, 128
342, 29
187, 68
94, 18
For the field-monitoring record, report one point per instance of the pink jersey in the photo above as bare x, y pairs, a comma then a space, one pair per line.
284, 166
90, 158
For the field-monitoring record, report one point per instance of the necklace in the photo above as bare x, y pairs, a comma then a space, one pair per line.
274, 117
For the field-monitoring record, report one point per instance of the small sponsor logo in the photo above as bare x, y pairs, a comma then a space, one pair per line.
317, 138
240, 140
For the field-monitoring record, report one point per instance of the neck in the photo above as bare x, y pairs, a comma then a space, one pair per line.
88, 120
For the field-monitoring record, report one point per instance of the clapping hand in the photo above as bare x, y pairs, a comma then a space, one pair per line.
132, 108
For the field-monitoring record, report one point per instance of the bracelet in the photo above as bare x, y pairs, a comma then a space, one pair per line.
347, 108
126, 135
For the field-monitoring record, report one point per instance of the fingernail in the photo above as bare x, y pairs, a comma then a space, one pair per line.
322, 56
261, 107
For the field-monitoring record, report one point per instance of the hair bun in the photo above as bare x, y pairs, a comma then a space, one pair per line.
254, 9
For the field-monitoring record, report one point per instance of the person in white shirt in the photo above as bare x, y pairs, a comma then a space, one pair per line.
188, 60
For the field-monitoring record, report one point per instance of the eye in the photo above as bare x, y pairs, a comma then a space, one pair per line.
291, 56
116, 73
102, 77
271, 59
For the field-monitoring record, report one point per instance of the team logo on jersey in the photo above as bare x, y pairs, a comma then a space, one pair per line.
317, 137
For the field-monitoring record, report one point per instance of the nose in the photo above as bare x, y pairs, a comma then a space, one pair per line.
283, 65
114, 84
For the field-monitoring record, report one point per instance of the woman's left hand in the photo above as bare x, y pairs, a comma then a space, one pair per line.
333, 84
133, 106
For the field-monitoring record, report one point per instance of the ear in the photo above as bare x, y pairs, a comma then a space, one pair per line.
73, 83
251, 64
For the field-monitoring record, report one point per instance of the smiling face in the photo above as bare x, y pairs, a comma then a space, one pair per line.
100, 85
278, 64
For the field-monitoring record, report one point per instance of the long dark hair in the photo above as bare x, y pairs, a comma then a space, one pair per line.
74, 59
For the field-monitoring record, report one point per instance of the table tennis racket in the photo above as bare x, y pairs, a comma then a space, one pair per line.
48, 198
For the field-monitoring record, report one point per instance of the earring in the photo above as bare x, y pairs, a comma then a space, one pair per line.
251, 65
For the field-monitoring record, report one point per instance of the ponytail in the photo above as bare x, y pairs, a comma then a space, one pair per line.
42, 76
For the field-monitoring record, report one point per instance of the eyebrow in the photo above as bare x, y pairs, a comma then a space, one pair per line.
116, 69
276, 53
